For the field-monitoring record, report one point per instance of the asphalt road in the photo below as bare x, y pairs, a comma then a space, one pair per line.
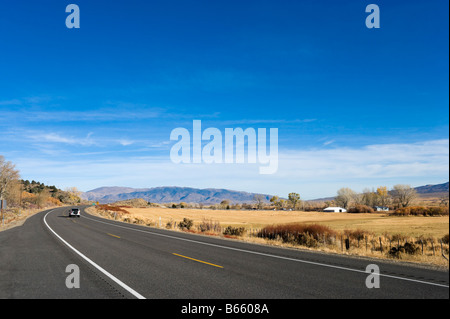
118, 260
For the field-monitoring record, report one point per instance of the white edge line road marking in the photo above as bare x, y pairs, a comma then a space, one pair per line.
120, 283
270, 255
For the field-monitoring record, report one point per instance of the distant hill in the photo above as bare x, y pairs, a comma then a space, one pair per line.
438, 190
171, 194
31, 190
99, 193
430, 189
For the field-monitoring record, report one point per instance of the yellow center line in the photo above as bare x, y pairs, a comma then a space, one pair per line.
92, 228
200, 261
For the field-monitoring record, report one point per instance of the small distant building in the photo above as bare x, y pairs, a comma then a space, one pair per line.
335, 210
381, 208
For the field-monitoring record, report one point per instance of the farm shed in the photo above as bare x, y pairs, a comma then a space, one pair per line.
335, 210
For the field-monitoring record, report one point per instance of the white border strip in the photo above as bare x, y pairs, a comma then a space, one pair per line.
120, 283
270, 255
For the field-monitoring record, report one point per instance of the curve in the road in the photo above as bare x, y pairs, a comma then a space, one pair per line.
103, 271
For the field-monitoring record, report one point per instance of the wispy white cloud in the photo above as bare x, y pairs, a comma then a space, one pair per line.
125, 142
371, 161
45, 109
328, 142
58, 138
313, 172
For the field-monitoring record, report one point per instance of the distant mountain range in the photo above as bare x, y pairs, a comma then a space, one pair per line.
171, 194
174, 194
433, 190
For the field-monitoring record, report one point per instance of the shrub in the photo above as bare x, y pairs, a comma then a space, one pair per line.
234, 231
445, 239
302, 234
423, 240
397, 237
138, 221
407, 248
169, 224
54, 201
421, 211
186, 223
113, 208
357, 234
127, 220
209, 226
360, 209
411, 248
404, 211
438, 211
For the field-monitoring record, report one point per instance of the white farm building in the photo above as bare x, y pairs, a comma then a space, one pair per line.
335, 210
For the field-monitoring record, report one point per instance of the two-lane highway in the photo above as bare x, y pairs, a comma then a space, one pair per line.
118, 260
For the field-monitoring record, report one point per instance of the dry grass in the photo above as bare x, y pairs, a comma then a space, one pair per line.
16, 217
377, 223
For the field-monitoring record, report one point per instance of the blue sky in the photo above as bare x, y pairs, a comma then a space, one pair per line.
354, 107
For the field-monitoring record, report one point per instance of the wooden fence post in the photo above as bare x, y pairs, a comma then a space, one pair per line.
442, 252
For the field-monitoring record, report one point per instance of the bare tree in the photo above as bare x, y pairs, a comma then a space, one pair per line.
14, 193
357, 199
8, 176
259, 200
345, 196
404, 195
369, 197
42, 197
74, 195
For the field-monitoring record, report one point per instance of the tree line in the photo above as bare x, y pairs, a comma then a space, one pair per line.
399, 196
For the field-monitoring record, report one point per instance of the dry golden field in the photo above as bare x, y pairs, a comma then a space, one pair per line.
413, 226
